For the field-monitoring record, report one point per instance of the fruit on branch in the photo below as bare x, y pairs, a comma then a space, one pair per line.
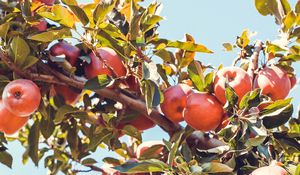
133, 84
175, 101
274, 82
293, 80
237, 78
69, 94
63, 48
140, 122
10, 123
41, 26
143, 147
225, 121
203, 111
21, 97
112, 60
201, 141
47, 2
270, 170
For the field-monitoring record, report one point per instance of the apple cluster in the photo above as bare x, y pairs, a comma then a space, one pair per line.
20, 99
204, 111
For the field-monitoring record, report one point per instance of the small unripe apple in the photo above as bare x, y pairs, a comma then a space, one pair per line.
175, 101
203, 111
97, 67
274, 82
237, 78
62, 48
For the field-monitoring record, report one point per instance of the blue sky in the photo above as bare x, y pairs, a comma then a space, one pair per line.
211, 22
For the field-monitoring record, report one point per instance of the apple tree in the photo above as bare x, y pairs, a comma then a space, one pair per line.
75, 78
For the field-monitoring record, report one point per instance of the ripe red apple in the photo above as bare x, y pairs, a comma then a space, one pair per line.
225, 121
10, 123
274, 82
293, 80
203, 111
175, 101
41, 26
146, 145
270, 170
140, 122
21, 97
70, 96
97, 67
238, 79
47, 2
63, 48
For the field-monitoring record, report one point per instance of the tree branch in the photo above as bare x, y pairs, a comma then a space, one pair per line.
253, 65
116, 95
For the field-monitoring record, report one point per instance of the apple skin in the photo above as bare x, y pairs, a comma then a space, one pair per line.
293, 81
97, 67
47, 2
62, 48
70, 96
175, 101
148, 144
41, 26
141, 123
274, 82
238, 79
270, 170
203, 111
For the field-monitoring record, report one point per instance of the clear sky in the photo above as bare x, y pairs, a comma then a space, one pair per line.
211, 22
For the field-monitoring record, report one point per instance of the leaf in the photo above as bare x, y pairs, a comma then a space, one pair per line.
152, 93
262, 7
174, 149
146, 166
33, 142
244, 39
189, 46
81, 15
278, 117
150, 72
88, 161
6, 158
20, 50
99, 82
230, 95
150, 21
166, 55
132, 131
215, 167
227, 47
196, 74
73, 141
250, 99
96, 139
62, 111
102, 9
47, 127
29, 61
4, 29
286, 6
51, 35
289, 20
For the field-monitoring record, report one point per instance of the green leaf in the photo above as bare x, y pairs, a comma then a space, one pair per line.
33, 142
174, 149
132, 131
166, 55
96, 139
196, 74
150, 72
262, 7
99, 82
189, 46
62, 111
227, 47
88, 161
230, 95
6, 158
29, 61
244, 39
278, 117
289, 20
250, 99
286, 6
215, 167
146, 166
152, 93
20, 50
73, 141
4, 29
51, 35
150, 21
102, 9
47, 127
